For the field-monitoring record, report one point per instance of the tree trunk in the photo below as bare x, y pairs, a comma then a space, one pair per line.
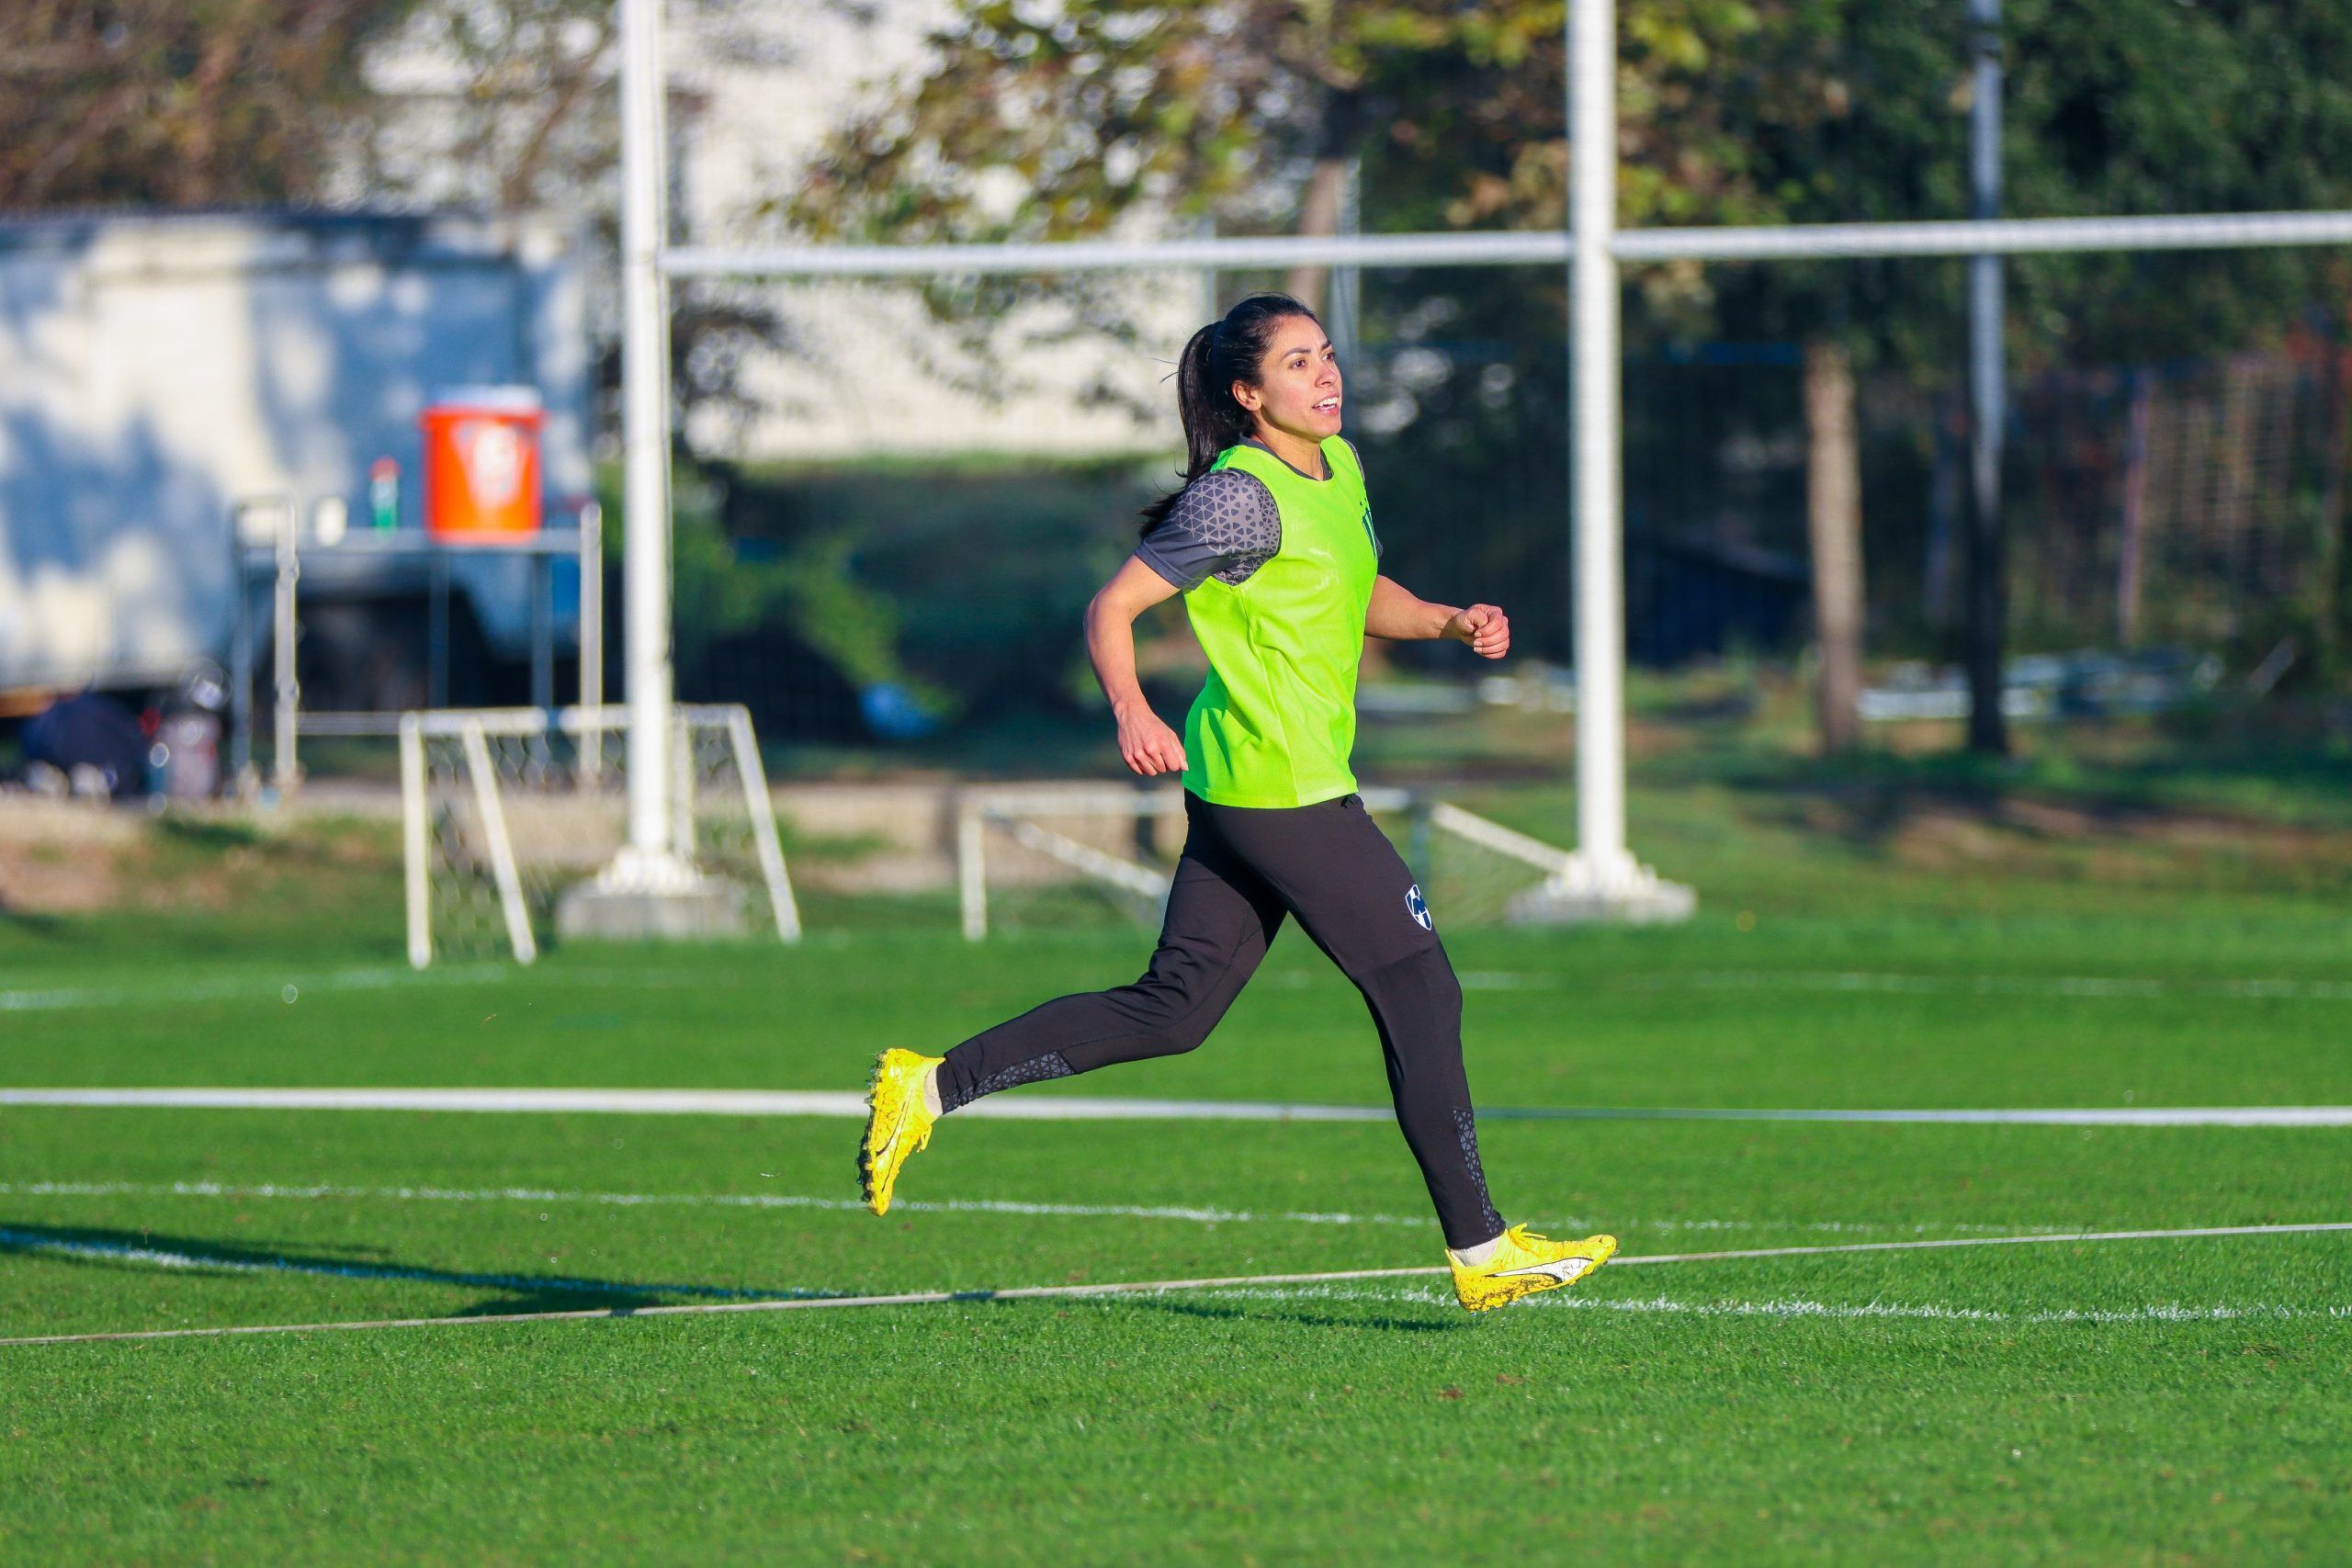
2132, 549
1327, 186
1318, 214
1833, 522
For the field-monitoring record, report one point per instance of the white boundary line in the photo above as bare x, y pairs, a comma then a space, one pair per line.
168, 992
1930, 237
1140, 1287
1784, 1307
1983, 985
1074, 1108
249, 987
164, 993
2042, 1116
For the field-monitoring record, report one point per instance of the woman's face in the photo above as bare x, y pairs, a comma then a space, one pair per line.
1298, 382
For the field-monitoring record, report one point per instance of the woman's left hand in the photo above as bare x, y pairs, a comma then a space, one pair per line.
1485, 628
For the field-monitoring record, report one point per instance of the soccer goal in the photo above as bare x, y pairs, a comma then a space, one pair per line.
503, 808
1119, 844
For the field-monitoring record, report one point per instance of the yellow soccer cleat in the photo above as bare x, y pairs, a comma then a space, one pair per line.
898, 1124
1525, 1264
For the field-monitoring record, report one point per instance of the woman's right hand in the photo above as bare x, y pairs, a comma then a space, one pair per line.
1149, 746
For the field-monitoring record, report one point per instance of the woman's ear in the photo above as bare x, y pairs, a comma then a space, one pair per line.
1248, 396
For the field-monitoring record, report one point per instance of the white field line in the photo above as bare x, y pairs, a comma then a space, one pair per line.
2029, 1116
1075, 1107
255, 987
1985, 984
164, 993
673, 1102
247, 988
267, 1191
1143, 1286
1788, 1307
2091, 986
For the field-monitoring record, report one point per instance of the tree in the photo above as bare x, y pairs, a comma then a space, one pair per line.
178, 103
2152, 106
1834, 515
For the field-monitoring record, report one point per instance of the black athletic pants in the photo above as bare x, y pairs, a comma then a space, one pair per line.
1243, 869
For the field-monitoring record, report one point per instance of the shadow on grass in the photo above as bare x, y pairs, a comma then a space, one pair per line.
86, 1246
1219, 1312
31, 922
207, 833
2273, 781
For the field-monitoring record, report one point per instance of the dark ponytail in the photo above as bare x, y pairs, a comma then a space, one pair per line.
1215, 357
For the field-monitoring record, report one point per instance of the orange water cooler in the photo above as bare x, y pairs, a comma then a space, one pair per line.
482, 463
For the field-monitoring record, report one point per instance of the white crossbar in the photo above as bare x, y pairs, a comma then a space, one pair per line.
1960, 237
1507, 249
1988, 236
444, 722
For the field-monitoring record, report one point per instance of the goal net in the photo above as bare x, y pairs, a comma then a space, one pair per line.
1037, 856
504, 808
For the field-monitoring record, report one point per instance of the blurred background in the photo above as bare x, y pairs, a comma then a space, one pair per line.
257, 257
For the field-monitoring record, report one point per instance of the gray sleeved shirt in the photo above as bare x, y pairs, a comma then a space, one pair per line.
1225, 525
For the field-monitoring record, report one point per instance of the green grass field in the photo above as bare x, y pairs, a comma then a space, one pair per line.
2161, 1400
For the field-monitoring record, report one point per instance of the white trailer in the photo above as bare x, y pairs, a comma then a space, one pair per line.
157, 371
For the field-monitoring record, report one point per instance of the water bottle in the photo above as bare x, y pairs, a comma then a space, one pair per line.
384, 493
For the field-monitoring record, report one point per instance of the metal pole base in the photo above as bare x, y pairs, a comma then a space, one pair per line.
1624, 892
648, 896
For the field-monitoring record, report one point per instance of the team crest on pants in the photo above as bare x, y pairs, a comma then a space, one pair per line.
1418, 906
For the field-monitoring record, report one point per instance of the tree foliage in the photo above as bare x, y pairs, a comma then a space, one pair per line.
519, 97
1046, 121
178, 103
2154, 106
1032, 119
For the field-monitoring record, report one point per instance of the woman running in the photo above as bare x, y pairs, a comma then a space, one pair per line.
1272, 543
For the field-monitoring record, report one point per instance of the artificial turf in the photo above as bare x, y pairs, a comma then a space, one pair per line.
2062, 1401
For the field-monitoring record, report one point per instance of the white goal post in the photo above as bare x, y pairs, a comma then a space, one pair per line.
1472, 870
502, 808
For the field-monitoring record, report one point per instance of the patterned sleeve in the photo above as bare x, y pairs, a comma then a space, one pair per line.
1224, 525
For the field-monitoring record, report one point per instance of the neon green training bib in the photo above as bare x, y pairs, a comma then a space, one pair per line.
1276, 721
